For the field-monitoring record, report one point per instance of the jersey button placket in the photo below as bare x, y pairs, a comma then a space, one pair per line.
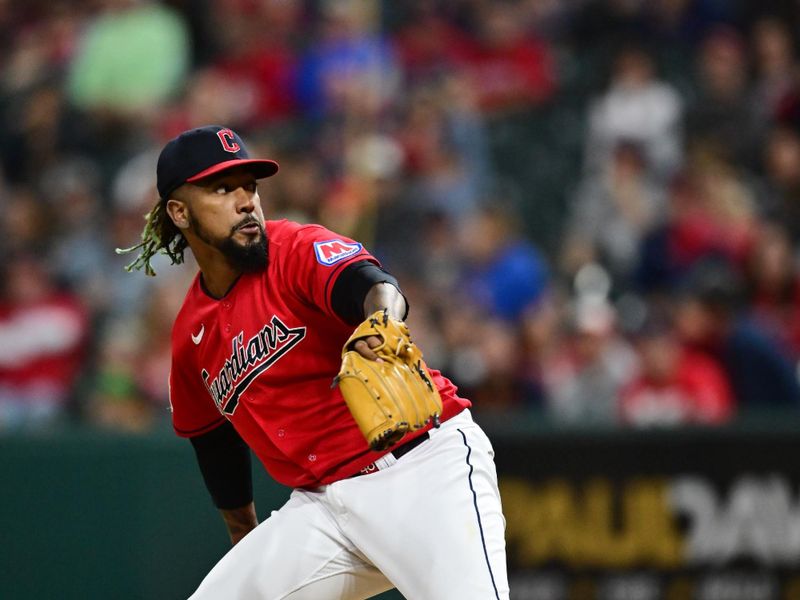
226, 305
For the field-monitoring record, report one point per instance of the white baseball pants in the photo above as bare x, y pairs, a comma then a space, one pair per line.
429, 524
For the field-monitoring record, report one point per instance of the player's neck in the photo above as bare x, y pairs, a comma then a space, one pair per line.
216, 288
217, 272
218, 277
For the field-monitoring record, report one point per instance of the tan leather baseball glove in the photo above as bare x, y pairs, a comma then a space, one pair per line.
393, 395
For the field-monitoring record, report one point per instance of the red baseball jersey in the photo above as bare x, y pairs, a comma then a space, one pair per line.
264, 357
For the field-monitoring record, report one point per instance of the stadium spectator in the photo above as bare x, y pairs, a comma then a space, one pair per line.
719, 112
350, 67
712, 213
542, 337
115, 401
133, 358
773, 289
297, 194
775, 68
20, 225
43, 333
429, 45
487, 367
38, 42
780, 195
39, 130
508, 69
611, 213
504, 274
79, 244
257, 60
150, 70
636, 107
207, 99
583, 380
709, 318
675, 386
446, 152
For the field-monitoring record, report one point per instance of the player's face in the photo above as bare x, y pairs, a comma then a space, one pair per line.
224, 212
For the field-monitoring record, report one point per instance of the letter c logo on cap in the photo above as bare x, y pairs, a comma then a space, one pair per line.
228, 141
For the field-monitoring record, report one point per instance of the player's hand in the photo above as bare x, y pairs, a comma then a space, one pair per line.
365, 347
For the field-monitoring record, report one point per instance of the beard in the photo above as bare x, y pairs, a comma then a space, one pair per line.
250, 257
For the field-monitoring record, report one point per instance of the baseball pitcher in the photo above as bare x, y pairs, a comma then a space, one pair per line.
291, 343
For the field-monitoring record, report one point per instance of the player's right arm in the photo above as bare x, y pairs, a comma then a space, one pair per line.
240, 521
222, 455
224, 461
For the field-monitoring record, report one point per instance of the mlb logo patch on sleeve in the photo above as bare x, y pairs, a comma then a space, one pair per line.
332, 251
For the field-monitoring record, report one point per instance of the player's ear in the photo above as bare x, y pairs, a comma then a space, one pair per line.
178, 211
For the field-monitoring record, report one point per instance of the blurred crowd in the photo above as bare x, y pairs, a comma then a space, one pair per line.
593, 206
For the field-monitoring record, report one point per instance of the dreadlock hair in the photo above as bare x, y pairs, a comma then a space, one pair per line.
159, 236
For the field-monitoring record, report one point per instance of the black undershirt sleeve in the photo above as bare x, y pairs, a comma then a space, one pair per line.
351, 287
224, 461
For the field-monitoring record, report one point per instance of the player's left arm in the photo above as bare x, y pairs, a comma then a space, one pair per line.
386, 296
362, 289
381, 296
383, 378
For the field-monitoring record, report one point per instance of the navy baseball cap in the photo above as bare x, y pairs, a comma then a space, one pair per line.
198, 153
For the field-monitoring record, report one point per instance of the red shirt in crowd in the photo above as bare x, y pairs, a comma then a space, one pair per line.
697, 392
779, 317
512, 76
42, 346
